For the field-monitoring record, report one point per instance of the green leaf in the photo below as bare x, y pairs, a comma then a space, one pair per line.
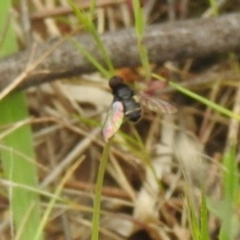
18, 148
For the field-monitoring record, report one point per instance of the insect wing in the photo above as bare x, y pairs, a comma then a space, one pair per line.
113, 120
156, 104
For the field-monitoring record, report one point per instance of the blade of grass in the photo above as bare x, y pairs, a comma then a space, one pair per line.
199, 231
24, 204
98, 191
91, 59
192, 218
230, 186
204, 235
200, 99
230, 176
139, 28
214, 7
92, 8
87, 20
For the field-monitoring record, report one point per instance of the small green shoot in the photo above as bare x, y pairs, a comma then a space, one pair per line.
139, 28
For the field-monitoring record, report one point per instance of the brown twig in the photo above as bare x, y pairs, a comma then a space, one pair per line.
175, 41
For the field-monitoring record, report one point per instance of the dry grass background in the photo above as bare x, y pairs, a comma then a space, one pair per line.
67, 121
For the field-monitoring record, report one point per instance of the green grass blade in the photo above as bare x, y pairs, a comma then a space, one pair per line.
88, 23
24, 204
200, 99
92, 59
230, 176
139, 19
139, 28
214, 7
92, 8
192, 219
98, 192
230, 186
226, 224
204, 235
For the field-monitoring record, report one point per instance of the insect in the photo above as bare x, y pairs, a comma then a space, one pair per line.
126, 103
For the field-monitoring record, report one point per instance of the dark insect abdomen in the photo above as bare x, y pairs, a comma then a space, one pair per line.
132, 109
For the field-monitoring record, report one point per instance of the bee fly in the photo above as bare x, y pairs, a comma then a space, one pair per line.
124, 94
127, 104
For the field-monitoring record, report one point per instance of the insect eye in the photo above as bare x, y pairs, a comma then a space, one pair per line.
115, 81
